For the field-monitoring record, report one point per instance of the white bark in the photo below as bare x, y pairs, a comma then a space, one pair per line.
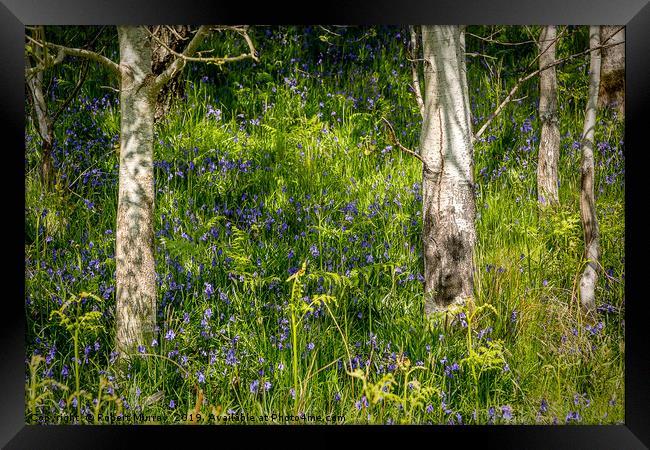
417, 90
587, 200
135, 262
549, 143
448, 202
135, 276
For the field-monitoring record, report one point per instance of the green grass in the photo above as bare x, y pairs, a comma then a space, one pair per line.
241, 206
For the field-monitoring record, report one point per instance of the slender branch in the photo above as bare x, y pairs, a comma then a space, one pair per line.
111, 65
521, 80
182, 58
550, 44
415, 59
43, 65
328, 31
479, 54
175, 33
489, 39
76, 89
391, 133
611, 36
414, 70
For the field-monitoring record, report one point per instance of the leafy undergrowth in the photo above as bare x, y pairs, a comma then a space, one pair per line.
289, 260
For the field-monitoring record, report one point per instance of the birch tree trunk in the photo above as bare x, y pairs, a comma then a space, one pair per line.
549, 143
135, 275
42, 120
448, 231
171, 37
135, 264
587, 200
612, 83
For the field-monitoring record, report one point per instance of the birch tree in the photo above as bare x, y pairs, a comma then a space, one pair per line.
448, 230
612, 79
549, 143
42, 121
37, 61
168, 39
446, 147
587, 200
446, 153
135, 276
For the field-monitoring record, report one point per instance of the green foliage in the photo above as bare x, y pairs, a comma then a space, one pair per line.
289, 254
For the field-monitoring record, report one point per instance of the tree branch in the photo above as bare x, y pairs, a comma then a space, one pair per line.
75, 91
106, 62
43, 65
391, 133
182, 58
175, 33
489, 39
476, 55
521, 80
550, 44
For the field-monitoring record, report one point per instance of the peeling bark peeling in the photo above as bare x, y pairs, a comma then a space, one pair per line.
587, 200
549, 143
448, 230
135, 262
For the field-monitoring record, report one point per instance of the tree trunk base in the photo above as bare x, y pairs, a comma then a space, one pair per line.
432, 308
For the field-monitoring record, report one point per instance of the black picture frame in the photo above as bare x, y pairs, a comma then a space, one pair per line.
635, 14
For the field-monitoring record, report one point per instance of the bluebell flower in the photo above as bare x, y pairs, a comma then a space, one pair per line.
207, 314
231, 359
573, 416
513, 315
543, 407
